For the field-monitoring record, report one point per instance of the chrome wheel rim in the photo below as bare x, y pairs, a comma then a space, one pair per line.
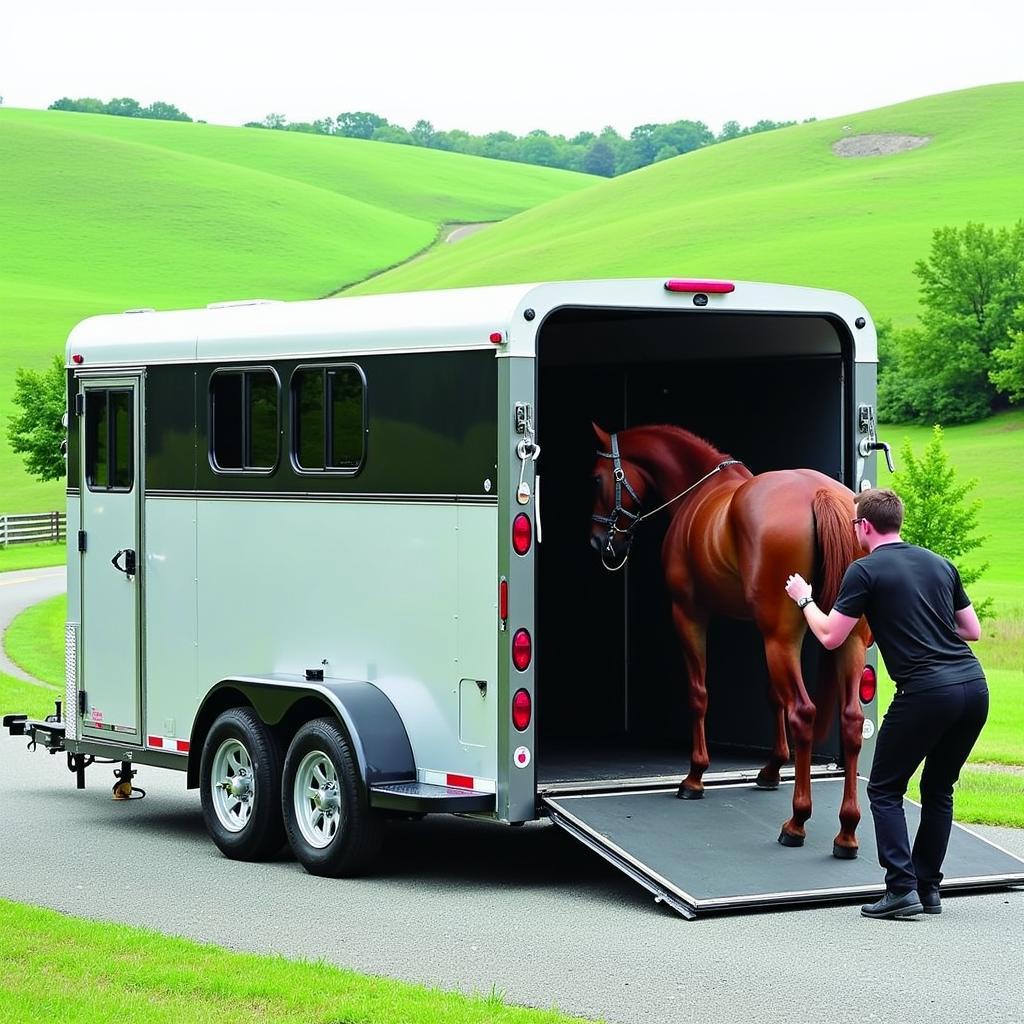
317, 799
234, 785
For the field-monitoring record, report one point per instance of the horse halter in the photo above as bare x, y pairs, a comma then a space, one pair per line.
636, 518
612, 519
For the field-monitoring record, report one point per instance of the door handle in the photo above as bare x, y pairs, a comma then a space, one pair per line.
129, 562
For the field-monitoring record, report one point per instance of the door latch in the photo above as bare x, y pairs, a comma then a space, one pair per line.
869, 442
129, 562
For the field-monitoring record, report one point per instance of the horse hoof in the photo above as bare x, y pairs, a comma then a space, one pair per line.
787, 839
686, 793
844, 852
766, 783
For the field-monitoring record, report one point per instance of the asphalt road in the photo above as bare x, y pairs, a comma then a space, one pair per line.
466, 905
20, 589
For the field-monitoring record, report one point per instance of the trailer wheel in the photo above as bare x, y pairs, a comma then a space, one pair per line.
240, 786
327, 817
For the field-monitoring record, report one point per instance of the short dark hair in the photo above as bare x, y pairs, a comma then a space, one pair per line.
882, 508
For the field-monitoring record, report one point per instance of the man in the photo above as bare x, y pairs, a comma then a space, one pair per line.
920, 617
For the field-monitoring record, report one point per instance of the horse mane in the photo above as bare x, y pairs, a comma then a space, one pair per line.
699, 453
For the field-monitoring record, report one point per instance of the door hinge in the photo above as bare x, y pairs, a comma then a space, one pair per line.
79, 404
81, 540
82, 702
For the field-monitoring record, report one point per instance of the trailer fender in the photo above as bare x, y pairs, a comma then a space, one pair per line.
373, 725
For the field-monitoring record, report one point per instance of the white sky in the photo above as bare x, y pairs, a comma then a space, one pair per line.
561, 65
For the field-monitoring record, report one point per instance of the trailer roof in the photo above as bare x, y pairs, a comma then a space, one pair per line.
462, 318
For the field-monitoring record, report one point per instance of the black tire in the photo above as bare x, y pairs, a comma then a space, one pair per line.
261, 834
338, 834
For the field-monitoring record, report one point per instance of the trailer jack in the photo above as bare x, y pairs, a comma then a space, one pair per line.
123, 788
77, 763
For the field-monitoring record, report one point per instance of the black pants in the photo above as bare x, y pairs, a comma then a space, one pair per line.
938, 727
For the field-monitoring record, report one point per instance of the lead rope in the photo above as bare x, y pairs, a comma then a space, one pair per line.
681, 494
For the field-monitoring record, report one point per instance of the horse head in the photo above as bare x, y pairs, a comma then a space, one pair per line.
619, 488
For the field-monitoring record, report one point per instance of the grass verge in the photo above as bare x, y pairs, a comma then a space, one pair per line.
32, 556
34, 641
17, 697
61, 968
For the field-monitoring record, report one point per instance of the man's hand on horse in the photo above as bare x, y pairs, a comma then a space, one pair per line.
797, 587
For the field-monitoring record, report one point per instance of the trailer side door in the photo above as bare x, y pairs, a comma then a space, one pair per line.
111, 557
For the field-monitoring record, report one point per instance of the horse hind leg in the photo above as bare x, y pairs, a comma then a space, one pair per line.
848, 665
693, 638
768, 776
783, 654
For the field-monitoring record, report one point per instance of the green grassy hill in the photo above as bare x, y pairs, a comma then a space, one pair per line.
99, 214
776, 207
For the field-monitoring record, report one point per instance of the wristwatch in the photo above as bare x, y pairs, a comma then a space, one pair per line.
803, 602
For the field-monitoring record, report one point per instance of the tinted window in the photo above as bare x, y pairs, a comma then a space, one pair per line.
243, 420
329, 418
347, 431
109, 440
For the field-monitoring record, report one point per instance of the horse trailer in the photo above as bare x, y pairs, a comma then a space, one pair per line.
331, 560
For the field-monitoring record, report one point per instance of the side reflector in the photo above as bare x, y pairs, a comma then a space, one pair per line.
868, 685
503, 601
522, 650
522, 533
522, 710
711, 287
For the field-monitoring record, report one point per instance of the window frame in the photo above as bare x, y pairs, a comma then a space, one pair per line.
111, 439
339, 471
243, 372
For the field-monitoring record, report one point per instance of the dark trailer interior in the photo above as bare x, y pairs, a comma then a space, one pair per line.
774, 391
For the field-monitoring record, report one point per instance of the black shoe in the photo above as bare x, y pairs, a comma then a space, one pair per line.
891, 905
930, 900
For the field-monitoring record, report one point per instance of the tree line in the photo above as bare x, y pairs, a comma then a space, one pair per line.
605, 153
964, 358
121, 106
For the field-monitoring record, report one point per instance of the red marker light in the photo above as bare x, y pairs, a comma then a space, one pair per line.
868, 685
689, 285
522, 710
522, 533
522, 650
497, 338
77, 359
503, 600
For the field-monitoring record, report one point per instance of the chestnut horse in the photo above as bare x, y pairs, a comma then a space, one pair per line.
732, 540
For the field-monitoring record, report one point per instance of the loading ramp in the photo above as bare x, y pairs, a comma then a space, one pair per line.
721, 853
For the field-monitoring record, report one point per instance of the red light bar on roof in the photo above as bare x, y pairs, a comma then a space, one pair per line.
689, 285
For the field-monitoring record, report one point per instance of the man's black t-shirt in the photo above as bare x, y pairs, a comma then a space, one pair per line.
909, 596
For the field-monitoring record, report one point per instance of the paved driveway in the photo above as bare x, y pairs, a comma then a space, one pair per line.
465, 904
18, 590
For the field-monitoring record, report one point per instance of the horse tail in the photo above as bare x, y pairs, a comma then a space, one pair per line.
836, 545
836, 548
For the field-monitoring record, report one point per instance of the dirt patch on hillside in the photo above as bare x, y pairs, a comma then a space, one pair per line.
878, 145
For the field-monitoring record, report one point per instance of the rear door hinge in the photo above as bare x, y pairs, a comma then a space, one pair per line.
82, 703
81, 540
79, 403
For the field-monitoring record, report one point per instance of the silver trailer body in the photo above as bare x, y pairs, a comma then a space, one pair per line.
397, 590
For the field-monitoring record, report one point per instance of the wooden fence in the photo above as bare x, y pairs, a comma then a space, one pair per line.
30, 529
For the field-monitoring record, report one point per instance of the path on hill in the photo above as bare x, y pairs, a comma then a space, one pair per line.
19, 590
452, 233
